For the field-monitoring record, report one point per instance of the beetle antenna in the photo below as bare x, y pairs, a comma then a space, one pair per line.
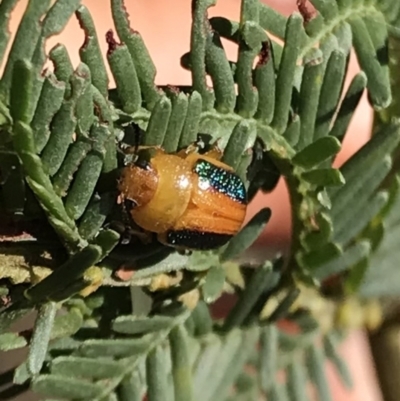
138, 136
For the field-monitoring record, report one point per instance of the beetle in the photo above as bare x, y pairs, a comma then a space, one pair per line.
191, 201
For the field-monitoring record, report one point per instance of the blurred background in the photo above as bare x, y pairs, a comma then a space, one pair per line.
165, 27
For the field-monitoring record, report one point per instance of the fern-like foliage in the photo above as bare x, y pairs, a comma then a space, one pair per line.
277, 110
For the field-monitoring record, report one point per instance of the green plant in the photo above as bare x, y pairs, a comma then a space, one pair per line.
110, 344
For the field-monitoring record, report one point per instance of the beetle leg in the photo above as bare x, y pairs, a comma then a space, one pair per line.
132, 154
124, 227
134, 149
128, 233
215, 152
193, 148
144, 236
200, 144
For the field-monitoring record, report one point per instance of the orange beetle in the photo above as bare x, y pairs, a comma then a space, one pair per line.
190, 200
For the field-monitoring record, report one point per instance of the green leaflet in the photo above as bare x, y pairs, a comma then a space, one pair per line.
137, 325
49, 102
131, 388
21, 48
180, 106
67, 275
329, 96
286, 73
40, 338
5, 8
348, 259
348, 105
85, 180
368, 40
317, 152
126, 79
246, 236
60, 386
269, 355
309, 92
214, 284
181, 369
381, 276
330, 347
90, 52
63, 68
9, 341
296, 379
237, 143
86, 367
198, 45
324, 177
315, 360
321, 255
220, 72
116, 348
259, 281
158, 122
144, 66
